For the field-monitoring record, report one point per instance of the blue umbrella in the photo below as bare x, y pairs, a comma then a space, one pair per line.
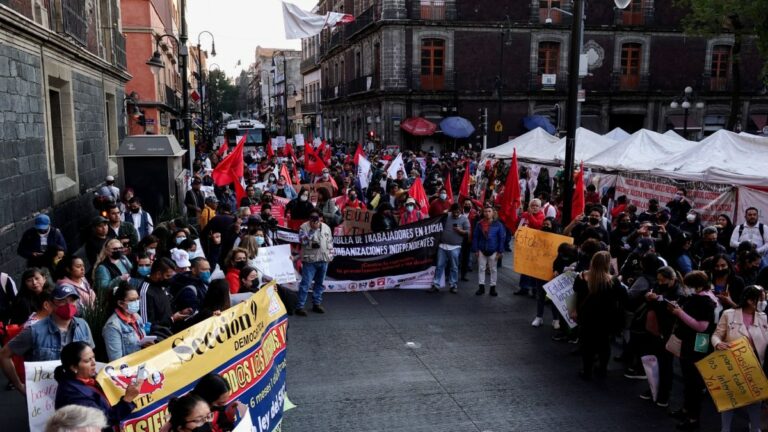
533, 122
457, 127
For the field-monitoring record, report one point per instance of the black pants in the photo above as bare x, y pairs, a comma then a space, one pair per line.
594, 343
693, 392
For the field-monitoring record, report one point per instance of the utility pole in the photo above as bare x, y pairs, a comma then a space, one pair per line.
285, 94
577, 36
185, 85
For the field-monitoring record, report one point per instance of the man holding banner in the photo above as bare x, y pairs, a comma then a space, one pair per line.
316, 241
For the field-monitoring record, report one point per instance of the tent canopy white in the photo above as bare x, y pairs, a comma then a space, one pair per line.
672, 134
617, 134
588, 144
644, 150
536, 145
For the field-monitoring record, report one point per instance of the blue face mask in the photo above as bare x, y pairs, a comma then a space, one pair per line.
180, 239
260, 240
132, 307
144, 270
205, 276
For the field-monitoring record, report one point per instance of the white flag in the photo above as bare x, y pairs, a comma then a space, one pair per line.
363, 172
301, 24
396, 166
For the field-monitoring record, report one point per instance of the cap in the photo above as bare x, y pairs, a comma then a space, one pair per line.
253, 220
42, 222
314, 217
196, 180
410, 201
180, 257
211, 199
644, 245
109, 178
63, 291
98, 220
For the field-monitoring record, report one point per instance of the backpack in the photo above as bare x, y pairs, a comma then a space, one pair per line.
759, 227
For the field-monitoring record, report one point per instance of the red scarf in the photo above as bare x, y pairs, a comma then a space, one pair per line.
91, 382
485, 226
131, 321
534, 220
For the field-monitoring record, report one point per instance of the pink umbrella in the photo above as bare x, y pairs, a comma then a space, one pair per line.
418, 126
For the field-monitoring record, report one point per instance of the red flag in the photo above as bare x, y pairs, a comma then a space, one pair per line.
288, 149
449, 189
359, 152
313, 163
285, 174
223, 149
577, 205
464, 188
230, 170
270, 150
510, 200
418, 193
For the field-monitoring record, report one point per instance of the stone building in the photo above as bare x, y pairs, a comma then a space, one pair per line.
312, 78
62, 110
432, 58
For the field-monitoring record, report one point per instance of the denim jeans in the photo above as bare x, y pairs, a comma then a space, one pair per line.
753, 411
451, 259
310, 272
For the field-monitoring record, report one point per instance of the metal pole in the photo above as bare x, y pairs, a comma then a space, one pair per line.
685, 123
185, 86
285, 94
200, 89
500, 83
577, 33
269, 108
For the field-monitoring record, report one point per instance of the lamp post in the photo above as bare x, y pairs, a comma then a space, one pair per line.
156, 62
684, 102
201, 89
285, 101
577, 38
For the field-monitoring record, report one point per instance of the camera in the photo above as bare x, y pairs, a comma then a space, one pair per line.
314, 245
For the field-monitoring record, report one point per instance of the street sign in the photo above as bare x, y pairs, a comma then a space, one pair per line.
548, 79
498, 127
149, 121
582, 95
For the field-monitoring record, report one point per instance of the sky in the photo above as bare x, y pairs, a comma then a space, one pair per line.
238, 26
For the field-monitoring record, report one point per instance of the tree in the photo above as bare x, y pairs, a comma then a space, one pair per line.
221, 93
739, 17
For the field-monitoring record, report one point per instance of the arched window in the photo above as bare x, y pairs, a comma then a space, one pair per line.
432, 64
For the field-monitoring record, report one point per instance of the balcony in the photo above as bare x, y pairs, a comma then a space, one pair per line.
74, 23
171, 99
118, 52
310, 107
363, 84
309, 64
433, 10
360, 23
333, 92
337, 38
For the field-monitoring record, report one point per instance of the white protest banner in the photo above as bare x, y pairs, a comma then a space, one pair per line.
278, 142
395, 166
276, 263
560, 291
364, 172
298, 139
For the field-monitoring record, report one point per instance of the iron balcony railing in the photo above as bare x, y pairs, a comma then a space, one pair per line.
74, 22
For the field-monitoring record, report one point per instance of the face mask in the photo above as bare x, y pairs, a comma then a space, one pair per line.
325, 175
260, 240
352, 197
443, 196
218, 408
151, 252
653, 208
239, 265
206, 427
594, 221
304, 198
116, 255
467, 209
180, 239
678, 197
409, 208
205, 276
135, 210
720, 273
42, 232
144, 270
132, 307
761, 305
691, 218
546, 229
65, 311
624, 225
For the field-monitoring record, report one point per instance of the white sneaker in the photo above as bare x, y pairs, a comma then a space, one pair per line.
556, 324
537, 322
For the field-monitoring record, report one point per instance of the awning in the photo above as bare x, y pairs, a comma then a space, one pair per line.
678, 121
538, 121
418, 126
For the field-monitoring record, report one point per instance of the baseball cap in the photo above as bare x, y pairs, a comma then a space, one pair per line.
196, 180
63, 291
314, 218
109, 178
410, 201
181, 258
98, 220
42, 222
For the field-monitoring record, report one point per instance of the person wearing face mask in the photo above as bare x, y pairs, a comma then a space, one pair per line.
383, 219
140, 219
316, 253
189, 413
38, 243
298, 209
353, 202
44, 340
650, 213
235, 261
620, 245
455, 229
113, 266
410, 213
726, 284
679, 207
746, 320
155, 299
77, 385
441, 205
188, 288
215, 391
123, 332
593, 222
707, 247
142, 269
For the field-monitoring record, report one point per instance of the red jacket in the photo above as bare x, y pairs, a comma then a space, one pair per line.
439, 207
233, 277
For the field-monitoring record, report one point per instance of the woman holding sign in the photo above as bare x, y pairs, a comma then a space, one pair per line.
734, 324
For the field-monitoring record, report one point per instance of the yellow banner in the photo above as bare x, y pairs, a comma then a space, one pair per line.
175, 363
535, 251
734, 377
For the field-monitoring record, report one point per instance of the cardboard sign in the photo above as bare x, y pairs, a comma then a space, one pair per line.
535, 251
560, 291
357, 221
276, 263
313, 187
734, 377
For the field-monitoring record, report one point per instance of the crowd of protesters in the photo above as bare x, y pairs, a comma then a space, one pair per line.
652, 277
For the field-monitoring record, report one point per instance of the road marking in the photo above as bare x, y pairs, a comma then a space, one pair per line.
370, 298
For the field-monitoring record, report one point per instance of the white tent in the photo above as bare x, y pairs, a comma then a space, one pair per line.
588, 144
723, 157
535, 145
644, 150
672, 134
617, 134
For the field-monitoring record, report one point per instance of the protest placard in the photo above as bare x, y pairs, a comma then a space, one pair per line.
535, 251
357, 221
560, 291
275, 262
734, 377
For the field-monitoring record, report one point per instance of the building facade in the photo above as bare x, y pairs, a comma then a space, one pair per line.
287, 83
433, 58
312, 87
62, 109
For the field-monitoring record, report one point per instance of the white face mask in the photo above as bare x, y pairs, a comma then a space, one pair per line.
691, 218
443, 196
761, 305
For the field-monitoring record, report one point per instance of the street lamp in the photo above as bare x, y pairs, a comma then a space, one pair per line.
577, 40
684, 102
285, 88
200, 80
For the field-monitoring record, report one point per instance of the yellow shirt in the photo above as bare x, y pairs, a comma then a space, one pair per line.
205, 216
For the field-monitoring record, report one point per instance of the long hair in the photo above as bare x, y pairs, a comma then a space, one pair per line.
599, 275
104, 255
70, 356
230, 260
248, 243
180, 408
211, 387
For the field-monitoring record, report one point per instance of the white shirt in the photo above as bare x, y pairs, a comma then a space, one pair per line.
136, 221
752, 234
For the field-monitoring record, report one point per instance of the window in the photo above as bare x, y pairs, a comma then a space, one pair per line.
549, 58
358, 65
630, 66
634, 14
60, 134
111, 126
720, 69
433, 10
432, 64
57, 132
546, 11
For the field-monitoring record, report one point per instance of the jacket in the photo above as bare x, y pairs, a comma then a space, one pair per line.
126, 229
316, 245
46, 338
30, 243
188, 291
120, 338
731, 327
495, 240
72, 391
